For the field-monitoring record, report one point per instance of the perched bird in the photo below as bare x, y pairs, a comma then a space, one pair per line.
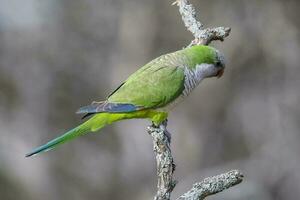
151, 92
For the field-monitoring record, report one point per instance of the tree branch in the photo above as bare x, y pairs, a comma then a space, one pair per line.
166, 167
202, 36
164, 161
213, 185
162, 138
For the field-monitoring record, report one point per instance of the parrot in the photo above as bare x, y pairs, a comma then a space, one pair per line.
149, 93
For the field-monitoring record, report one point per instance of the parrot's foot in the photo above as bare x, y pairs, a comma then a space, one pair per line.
153, 128
160, 128
97, 102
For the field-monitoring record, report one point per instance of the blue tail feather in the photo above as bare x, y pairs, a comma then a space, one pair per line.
59, 140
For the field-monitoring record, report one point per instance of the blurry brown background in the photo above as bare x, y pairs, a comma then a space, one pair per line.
58, 55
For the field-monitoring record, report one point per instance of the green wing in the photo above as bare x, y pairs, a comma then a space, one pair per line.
154, 85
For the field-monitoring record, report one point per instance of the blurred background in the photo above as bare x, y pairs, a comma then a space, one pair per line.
58, 55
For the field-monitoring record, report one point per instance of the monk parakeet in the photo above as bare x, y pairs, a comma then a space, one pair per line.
151, 92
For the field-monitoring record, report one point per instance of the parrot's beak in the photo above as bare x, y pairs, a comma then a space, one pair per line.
220, 73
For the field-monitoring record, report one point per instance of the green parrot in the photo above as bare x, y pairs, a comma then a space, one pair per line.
151, 92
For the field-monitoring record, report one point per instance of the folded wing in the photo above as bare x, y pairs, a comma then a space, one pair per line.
153, 86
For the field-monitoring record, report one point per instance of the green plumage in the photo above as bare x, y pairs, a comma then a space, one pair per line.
162, 78
143, 94
156, 81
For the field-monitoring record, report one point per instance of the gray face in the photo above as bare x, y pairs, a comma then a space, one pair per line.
220, 60
213, 70
219, 64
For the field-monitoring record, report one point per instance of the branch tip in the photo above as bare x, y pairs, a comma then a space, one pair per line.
202, 36
213, 185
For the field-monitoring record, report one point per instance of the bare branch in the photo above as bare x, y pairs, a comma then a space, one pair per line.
213, 185
166, 167
164, 161
202, 36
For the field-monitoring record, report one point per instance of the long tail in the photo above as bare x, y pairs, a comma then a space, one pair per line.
95, 123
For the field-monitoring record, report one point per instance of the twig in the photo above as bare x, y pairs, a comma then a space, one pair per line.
164, 161
213, 185
202, 36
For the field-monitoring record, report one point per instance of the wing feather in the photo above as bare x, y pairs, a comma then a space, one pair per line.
153, 86
107, 107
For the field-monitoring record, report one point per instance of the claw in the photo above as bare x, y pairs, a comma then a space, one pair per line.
175, 3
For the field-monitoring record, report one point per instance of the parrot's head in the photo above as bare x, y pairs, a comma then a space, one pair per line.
212, 62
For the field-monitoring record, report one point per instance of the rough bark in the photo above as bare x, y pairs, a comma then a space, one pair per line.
164, 161
202, 36
213, 185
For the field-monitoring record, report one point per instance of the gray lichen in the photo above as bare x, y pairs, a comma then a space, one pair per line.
213, 185
164, 161
202, 36
166, 167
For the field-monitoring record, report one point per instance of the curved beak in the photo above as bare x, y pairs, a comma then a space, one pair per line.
220, 73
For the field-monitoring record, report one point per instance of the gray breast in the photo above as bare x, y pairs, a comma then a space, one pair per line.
192, 78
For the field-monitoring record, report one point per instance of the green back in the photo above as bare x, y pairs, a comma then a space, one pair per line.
162, 80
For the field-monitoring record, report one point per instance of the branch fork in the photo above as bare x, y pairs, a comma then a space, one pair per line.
202, 36
165, 168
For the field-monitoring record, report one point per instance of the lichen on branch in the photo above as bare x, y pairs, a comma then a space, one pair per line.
213, 185
202, 36
164, 161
